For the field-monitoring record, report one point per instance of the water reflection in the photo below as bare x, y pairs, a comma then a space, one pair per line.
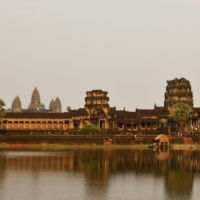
99, 173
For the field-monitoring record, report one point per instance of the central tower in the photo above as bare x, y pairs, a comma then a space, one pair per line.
97, 106
35, 104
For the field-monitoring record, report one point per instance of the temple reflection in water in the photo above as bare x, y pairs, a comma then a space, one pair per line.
177, 168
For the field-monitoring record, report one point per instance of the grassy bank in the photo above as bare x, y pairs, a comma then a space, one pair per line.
185, 146
62, 147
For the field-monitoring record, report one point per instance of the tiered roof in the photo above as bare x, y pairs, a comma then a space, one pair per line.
57, 106
51, 105
35, 101
16, 105
178, 90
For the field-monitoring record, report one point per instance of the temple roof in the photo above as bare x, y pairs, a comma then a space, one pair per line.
16, 102
146, 113
35, 101
112, 111
57, 105
16, 105
79, 112
35, 95
120, 113
132, 115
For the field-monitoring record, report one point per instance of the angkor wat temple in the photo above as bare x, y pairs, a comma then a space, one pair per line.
98, 112
36, 105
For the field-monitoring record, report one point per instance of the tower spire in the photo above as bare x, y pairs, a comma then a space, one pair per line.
35, 101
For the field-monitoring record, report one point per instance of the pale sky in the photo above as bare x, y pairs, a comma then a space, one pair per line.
129, 48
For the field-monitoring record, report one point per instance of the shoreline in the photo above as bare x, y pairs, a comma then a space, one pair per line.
75, 146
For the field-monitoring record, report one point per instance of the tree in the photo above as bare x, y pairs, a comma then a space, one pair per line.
89, 128
2, 111
181, 113
68, 108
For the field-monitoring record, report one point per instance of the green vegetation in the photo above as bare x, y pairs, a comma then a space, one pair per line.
89, 128
181, 113
2, 111
4, 146
68, 108
62, 147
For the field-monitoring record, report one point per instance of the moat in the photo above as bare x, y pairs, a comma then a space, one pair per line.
99, 173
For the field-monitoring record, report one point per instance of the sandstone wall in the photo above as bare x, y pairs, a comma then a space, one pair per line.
91, 140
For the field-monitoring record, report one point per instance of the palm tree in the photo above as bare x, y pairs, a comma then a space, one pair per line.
2, 111
181, 113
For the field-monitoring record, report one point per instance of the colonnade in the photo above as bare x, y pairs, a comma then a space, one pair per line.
37, 124
140, 126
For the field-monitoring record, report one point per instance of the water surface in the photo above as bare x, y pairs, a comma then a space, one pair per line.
106, 174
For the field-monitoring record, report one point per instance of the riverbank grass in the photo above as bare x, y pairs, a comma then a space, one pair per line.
75, 146
62, 147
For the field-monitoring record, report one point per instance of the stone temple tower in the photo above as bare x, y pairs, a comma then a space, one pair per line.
35, 104
16, 105
178, 90
57, 106
51, 105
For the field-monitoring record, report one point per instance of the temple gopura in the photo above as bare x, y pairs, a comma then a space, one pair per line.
36, 118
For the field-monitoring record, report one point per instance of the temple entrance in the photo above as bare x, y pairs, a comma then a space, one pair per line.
102, 124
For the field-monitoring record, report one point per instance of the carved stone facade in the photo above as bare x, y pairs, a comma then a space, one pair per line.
97, 107
110, 120
178, 90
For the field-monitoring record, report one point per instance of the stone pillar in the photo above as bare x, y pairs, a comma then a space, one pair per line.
190, 124
70, 124
81, 123
13, 124
108, 124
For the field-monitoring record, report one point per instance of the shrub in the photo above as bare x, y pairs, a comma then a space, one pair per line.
89, 128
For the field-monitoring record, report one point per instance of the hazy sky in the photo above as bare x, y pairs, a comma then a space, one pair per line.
129, 48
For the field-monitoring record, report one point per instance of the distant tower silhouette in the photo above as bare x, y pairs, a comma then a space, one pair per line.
35, 104
57, 106
16, 105
51, 105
